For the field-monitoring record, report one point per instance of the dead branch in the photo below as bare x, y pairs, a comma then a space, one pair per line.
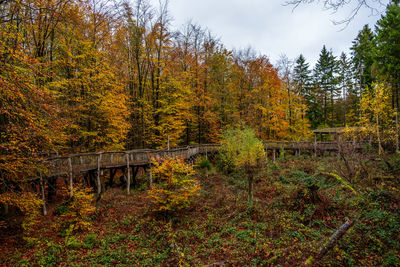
331, 242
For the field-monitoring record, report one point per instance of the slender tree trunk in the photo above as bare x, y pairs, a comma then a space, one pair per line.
290, 108
378, 134
344, 105
397, 130
250, 189
332, 111
397, 117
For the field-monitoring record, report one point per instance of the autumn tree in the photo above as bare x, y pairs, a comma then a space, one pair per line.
387, 55
377, 113
28, 116
174, 188
296, 107
243, 151
91, 97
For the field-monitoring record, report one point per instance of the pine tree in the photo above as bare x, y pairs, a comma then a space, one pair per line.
363, 58
303, 82
325, 78
388, 55
346, 86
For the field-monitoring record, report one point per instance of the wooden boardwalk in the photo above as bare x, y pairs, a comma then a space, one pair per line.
92, 166
83, 162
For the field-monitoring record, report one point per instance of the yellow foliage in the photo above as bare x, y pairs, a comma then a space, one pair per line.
377, 114
241, 149
29, 204
174, 189
80, 208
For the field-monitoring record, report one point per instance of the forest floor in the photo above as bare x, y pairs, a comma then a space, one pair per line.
286, 226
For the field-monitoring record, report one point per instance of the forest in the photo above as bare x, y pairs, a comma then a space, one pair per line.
215, 152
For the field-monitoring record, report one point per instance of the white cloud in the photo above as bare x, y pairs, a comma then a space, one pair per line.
271, 28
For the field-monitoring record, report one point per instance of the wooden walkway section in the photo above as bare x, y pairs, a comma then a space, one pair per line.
92, 166
80, 163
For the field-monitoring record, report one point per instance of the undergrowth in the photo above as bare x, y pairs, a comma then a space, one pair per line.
298, 205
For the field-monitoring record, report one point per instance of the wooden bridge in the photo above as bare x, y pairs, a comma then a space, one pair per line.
91, 166
309, 147
82, 163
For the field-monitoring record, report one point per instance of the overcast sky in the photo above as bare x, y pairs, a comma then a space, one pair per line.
271, 28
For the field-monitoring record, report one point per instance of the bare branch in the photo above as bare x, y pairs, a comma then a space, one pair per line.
375, 7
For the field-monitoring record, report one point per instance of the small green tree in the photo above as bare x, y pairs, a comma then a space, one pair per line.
241, 150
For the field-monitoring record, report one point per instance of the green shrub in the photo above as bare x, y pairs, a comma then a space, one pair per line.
90, 241
62, 208
204, 163
50, 255
395, 163
72, 242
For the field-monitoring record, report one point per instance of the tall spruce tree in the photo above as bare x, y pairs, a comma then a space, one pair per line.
388, 54
363, 58
346, 86
325, 78
303, 84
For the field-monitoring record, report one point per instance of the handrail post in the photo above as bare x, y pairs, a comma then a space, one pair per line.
98, 173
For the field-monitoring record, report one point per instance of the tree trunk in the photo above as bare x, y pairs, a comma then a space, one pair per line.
334, 238
331, 242
250, 181
397, 130
378, 135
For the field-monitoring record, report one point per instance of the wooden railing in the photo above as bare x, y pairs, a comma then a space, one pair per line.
92, 163
83, 162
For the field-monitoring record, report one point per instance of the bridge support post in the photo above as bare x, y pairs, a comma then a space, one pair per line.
274, 155
128, 186
150, 178
43, 195
98, 174
315, 145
